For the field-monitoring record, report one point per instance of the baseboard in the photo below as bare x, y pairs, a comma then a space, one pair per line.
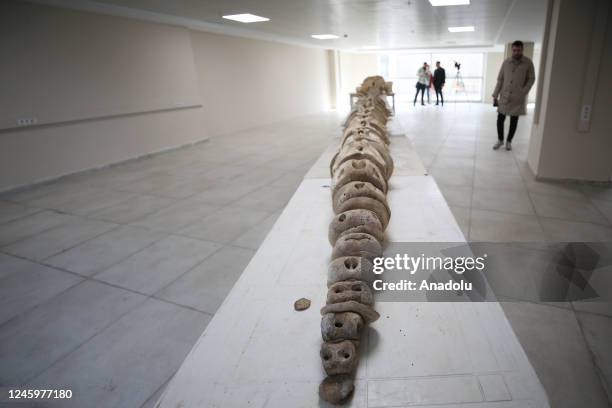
593, 183
55, 179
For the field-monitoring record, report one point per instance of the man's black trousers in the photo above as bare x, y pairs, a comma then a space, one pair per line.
438, 89
501, 118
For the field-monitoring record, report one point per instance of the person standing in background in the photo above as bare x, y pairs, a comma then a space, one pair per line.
422, 82
429, 82
439, 77
515, 79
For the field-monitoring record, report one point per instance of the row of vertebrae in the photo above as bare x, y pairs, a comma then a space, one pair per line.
360, 173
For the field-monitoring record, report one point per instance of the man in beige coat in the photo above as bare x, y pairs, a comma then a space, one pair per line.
515, 79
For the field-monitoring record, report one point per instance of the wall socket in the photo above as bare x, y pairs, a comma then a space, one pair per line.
27, 121
585, 113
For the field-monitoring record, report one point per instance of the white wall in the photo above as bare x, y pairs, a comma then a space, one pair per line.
493, 62
246, 83
106, 89
87, 78
537, 56
42, 153
557, 149
63, 65
354, 67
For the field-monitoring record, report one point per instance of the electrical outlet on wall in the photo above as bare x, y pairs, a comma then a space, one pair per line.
585, 118
585, 113
27, 121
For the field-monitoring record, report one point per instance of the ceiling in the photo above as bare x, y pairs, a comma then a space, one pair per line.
387, 24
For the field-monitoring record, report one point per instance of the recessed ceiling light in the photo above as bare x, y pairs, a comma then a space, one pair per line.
370, 47
438, 3
465, 29
324, 36
246, 18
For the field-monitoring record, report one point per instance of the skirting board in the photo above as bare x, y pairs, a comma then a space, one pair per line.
94, 169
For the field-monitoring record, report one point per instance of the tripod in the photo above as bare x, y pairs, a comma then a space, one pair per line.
459, 86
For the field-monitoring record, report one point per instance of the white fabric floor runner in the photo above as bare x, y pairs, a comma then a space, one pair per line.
259, 352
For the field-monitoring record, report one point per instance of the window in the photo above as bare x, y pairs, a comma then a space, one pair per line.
465, 84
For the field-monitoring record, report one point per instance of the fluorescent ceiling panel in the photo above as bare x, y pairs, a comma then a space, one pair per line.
465, 29
246, 18
324, 36
438, 3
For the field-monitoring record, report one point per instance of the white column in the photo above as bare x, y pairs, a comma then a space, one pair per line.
575, 74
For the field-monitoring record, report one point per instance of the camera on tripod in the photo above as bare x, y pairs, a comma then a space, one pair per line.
457, 65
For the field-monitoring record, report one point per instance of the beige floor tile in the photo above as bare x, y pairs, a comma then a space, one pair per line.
205, 286
558, 351
605, 207
225, 225
572, 231
157, 265
500, 199
567, 208
504, 227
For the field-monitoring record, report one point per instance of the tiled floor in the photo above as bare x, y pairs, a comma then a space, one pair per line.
495, 197
494, 193
108, 278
